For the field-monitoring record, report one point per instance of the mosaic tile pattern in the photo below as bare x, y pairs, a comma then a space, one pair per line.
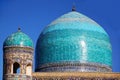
73, 37
18, 39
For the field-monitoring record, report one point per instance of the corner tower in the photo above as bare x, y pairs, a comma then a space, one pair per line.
18, 57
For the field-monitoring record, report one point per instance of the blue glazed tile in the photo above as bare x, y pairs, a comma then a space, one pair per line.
73, 37
18, 39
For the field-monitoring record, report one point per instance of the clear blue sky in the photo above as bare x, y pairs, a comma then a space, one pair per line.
33, 15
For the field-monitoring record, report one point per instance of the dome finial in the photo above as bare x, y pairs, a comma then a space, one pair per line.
73, 7
19, 29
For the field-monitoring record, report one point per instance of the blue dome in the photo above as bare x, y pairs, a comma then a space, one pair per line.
72, 39
18, 39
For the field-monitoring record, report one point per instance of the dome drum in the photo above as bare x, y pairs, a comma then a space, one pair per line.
73, 66
18, 50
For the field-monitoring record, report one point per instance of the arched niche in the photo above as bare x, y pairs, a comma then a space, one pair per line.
29, 69
16, 68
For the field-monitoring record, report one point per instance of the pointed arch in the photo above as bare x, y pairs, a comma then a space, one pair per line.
29, 69
16, 68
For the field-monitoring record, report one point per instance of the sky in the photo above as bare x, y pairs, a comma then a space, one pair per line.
33, 15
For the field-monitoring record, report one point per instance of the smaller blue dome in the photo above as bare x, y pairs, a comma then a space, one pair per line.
18, 39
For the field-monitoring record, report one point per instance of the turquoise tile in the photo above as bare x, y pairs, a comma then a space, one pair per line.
18, 39
73, 37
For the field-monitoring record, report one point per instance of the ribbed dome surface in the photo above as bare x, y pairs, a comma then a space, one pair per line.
73, 39
18, 39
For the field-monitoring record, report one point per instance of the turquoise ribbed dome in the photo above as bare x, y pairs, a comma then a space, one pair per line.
73, 38
18, 39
